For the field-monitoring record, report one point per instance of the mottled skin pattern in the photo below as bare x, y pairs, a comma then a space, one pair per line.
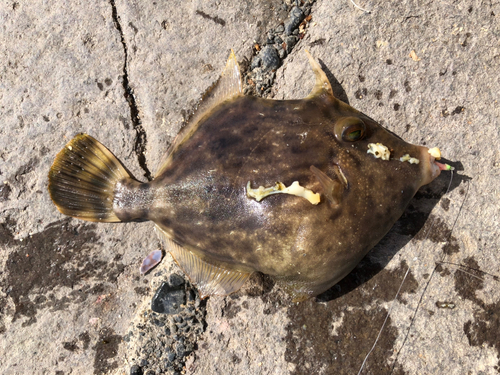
199, 197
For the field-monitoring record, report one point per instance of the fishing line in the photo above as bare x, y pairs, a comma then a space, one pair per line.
401, 285
357, 6
461, 267
430, 278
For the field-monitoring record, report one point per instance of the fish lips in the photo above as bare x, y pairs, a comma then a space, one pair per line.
431, 168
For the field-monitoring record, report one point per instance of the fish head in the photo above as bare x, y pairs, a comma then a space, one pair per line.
368, 153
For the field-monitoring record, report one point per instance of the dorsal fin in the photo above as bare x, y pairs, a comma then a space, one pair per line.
209, 279
322, 85
227, 87
331, 188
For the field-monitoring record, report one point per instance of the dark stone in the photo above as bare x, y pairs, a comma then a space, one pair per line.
158, 323
168, 366
290, 42
169, 298
4, 192
176, 280
106, 349
270, 38
293, 21
135, 370
270, 58
256, 61
181, 350
191, 295
278, 40
171, 356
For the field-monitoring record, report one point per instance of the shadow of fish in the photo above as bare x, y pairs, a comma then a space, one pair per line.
300, 190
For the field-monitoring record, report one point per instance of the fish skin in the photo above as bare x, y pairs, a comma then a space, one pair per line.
199, 198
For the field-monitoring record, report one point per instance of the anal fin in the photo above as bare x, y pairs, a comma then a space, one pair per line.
209, 279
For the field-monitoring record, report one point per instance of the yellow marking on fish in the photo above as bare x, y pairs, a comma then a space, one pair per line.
379, 151
409, 159
279, 188
435, 152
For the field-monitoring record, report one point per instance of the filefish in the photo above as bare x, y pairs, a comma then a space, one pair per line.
299, 190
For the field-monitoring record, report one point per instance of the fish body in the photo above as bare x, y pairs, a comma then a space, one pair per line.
283, 187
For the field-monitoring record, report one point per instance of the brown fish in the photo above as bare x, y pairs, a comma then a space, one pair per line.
300, 190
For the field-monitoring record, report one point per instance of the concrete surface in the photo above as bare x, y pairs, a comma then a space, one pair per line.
128, 72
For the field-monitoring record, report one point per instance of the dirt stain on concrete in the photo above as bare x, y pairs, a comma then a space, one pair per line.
484, 329
60, 256
334, 337
106, 349
437, 231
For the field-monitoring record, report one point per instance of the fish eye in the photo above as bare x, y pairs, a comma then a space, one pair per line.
350, 129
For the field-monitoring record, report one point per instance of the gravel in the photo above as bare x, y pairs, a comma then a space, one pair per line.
279, 42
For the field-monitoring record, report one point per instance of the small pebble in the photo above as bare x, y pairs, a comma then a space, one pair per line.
158, 323
293, 21
270, 38
270, 58
176, 280
171, 356
290, 41
256, 61
181, 350
168, 298
135, 370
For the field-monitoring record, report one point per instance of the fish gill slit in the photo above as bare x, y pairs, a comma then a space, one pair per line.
140, 134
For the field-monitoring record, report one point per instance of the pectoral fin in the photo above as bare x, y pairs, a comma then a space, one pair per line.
332, 189
209, 279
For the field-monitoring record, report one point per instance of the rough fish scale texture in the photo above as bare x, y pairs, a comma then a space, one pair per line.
199, 198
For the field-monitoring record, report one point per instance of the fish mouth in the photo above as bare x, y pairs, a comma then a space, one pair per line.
432, 168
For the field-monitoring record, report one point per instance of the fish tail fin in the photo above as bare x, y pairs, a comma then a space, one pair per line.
82, 180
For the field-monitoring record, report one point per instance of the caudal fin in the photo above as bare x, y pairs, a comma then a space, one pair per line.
82, 180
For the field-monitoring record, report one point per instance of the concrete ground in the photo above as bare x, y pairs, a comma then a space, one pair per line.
129, 72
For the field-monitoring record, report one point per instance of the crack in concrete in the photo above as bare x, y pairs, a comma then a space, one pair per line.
141, 138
